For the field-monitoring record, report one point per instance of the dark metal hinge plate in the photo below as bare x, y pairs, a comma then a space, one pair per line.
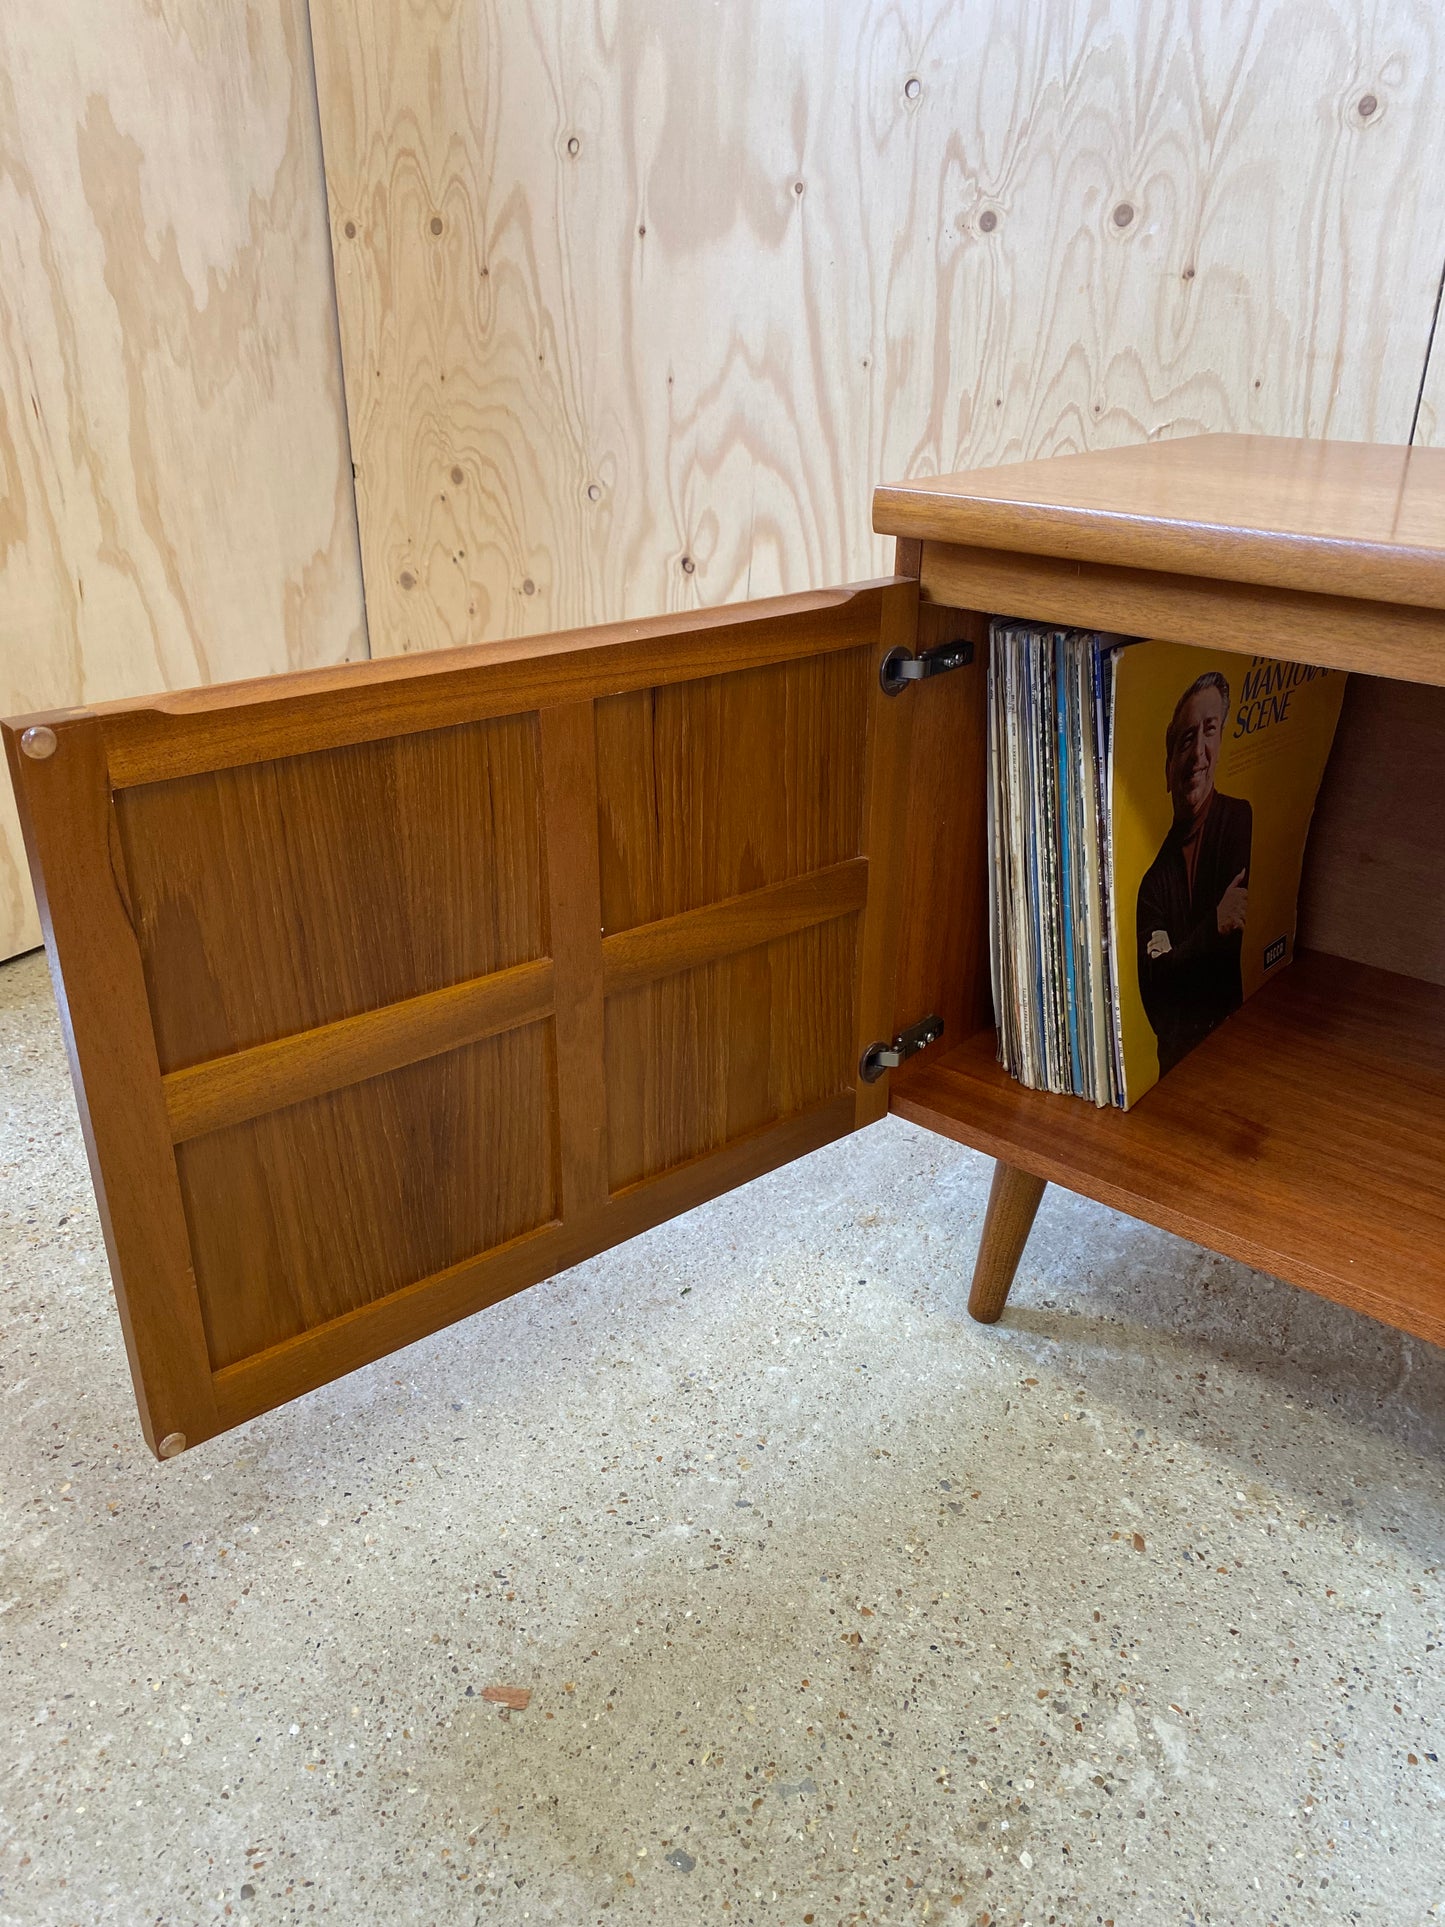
900, 667
887, 1057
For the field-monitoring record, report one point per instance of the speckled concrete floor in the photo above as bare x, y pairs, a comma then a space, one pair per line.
832, 1606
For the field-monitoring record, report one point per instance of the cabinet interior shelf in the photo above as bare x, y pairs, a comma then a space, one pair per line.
1303, 1137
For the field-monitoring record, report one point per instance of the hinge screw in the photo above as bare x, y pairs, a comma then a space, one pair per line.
882, 1057
39, 741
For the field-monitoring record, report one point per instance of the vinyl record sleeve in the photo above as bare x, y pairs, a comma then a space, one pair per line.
1216, 764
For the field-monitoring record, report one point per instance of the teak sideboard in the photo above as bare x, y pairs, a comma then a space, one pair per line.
394, 988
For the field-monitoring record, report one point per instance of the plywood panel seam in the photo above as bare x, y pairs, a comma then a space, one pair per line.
1428, 379
172, 425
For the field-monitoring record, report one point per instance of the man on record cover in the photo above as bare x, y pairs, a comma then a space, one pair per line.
1195, 895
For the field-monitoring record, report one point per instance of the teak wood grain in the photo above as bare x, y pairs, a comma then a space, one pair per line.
1013, 1201
1380, 639
727, 1048
95, 967
279, 896
733, 801
228, 1090
783, 744
287, 1370
1373, 888
319, 1209
430, 983
1330, 518
1302, 1137
634, 957
569, 778
943, 961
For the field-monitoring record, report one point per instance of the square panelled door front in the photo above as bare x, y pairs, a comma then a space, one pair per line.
392, 989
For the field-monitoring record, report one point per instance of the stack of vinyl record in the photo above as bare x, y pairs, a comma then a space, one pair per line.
1051, 924
1149, 804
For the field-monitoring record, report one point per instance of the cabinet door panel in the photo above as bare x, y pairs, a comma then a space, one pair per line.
393, 989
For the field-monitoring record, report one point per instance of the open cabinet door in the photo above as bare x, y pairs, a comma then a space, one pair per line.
394, 988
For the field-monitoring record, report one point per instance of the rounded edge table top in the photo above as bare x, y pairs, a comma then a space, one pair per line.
1358, 519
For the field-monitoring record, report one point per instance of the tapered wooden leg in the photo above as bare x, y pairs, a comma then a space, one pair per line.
1012, 1201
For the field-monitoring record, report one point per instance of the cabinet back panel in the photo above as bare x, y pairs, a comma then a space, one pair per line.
277, 896
1371, 886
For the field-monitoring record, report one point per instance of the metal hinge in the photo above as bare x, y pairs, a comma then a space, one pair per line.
901, 667
887, 1057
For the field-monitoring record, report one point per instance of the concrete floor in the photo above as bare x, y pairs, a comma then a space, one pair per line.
833, 1607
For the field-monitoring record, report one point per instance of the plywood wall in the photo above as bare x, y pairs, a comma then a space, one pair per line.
637, 302
175, 495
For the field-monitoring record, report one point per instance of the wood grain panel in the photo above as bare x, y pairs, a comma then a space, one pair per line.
722, 805
700, 1058
303, 1215
1430, 409
1371, 888
276, 897
712, 789
175, 488
637, 303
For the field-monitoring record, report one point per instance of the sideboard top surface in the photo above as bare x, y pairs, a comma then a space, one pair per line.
1344, 518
